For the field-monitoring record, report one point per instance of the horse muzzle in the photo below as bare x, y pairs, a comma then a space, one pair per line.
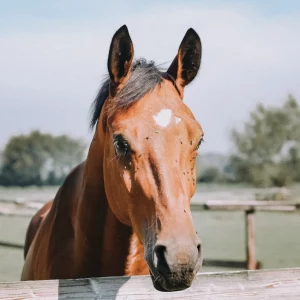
173, 267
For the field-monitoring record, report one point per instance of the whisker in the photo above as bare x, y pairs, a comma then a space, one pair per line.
206, 264
151, 225
157, 278
112, 159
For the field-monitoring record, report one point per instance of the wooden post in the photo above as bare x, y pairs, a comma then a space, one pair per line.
250, 240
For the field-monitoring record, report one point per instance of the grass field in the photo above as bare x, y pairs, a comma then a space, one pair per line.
222, 233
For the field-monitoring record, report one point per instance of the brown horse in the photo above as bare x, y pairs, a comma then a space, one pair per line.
126, 209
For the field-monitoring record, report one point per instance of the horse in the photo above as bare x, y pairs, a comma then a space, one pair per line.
126, 209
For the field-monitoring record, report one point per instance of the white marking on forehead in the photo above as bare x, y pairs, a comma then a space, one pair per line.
163, 118
177, 120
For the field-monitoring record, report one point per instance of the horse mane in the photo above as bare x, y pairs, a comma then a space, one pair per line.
143, 78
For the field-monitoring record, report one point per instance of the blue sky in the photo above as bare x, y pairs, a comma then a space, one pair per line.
79, 9
19, 15
54, 53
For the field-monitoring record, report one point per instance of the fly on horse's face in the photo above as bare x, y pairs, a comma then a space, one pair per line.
151, 141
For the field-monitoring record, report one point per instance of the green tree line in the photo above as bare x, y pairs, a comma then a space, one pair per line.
39, 159
267, 149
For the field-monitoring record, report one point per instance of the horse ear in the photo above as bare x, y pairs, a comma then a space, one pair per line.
120, 56
186, 64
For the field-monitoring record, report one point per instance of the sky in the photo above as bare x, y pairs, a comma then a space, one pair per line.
53, 59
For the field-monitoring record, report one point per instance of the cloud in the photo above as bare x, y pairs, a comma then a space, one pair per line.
52, 73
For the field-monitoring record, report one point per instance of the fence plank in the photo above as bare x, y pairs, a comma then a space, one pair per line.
245, 205
27, 209
263, 284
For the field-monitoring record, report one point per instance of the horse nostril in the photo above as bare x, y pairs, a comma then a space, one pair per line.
160, 251
161, 262
199, 248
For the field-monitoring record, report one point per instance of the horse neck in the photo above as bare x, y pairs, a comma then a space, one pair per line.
102, 241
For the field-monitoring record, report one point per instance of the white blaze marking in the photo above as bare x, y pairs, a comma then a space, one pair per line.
177, 120
163, 118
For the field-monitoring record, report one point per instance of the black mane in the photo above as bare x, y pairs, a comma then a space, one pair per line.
144, 77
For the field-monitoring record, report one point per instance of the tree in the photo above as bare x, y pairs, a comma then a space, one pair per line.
211, 174
38, 159
65, 154
267, 151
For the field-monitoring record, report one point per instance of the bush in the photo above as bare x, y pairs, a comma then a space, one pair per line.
268, 150
39, 159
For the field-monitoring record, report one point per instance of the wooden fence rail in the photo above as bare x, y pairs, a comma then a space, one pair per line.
246, 285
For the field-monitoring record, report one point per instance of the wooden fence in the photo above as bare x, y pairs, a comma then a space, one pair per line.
27, 209
249, 208
246, 285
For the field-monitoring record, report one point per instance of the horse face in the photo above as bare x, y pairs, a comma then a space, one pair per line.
149, 162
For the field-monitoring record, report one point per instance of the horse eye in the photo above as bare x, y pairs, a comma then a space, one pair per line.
121, 145
200, 142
